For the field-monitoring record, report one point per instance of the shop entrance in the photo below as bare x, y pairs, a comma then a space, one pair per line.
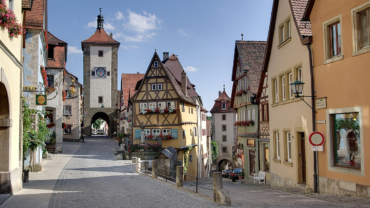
252, 163
4, 141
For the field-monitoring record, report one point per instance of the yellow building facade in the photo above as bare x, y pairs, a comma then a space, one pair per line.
168, 115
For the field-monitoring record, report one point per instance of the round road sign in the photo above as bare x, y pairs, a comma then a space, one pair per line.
316, 138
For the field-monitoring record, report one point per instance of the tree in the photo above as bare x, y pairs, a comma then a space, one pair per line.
98, 123
209, 118
214, 148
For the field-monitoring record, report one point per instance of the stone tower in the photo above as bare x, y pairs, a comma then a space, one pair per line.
100, 53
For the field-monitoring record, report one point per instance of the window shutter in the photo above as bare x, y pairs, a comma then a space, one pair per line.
174, 133
137, 134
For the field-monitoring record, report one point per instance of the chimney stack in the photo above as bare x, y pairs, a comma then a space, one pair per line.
111, 35
184, 83
219, 93
165, 55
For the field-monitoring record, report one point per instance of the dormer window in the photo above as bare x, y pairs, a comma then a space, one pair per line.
51, 52
155, 64
223, 106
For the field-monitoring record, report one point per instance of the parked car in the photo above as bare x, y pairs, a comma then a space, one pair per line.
234, 175
225, 173
101, 132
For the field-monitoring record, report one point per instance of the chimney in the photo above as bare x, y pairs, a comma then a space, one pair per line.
165, 55
219, 93
111, 35
184, 83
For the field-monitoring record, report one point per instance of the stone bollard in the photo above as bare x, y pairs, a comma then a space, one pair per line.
134, 159
179, 176
138, 165
220, 195
154, 169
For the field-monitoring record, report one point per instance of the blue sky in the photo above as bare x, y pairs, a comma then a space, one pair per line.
201, 33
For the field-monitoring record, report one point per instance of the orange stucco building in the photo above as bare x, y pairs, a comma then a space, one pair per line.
341, 58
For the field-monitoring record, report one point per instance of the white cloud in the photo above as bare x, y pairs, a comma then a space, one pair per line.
119, 16
129, 47
190, 69
182, 32
141, 23
106, 25
73, 49
139, 37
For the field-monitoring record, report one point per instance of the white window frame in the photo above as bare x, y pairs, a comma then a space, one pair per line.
253, 115
166, 132
276, 91
283, 87
299, 76
249, 115
154, 87
357, 48
171, 103
159, 87
155, 64
156, 132
69, 111
146, 132
143, 106
290, 75
289, 146
161, 105
152, 106
223, 106
277, 140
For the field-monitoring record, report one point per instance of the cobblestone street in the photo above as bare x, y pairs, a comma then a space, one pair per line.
88, 175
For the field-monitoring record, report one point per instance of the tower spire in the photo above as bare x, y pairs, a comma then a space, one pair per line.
100, 21
224, 87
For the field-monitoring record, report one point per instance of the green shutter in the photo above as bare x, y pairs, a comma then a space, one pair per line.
174, 133
137, 133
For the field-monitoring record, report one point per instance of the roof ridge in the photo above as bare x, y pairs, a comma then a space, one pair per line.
56, 37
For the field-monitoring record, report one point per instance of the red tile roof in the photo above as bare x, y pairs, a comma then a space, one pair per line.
298, 8
100, 37
128, 83
60, 52
34, 18
217, 107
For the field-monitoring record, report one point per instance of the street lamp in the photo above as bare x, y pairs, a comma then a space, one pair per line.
297, 88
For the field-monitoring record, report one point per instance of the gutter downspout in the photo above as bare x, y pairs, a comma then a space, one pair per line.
315, 156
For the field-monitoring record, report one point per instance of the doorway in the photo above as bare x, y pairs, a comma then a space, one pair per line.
252, 163
302, 157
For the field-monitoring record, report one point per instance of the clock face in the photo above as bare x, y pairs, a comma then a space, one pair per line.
100, 72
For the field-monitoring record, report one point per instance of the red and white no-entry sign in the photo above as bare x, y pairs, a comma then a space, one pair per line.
316, 138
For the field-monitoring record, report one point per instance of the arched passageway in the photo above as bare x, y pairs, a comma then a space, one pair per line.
224, 164
5, 186
103, 128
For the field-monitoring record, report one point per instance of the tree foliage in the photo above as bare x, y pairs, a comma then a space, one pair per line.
209, 118
214, 148
98, 123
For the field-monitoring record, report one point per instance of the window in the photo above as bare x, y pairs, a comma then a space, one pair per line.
183, 107
191, 110
50, 79
100, 53
224, 117
100, 99
249, 115
108, 73
277, 146
224, 149
334, 39
224, 138
299, 76
51, 52
67, 110
284, 31
166, 131
143, 106
223, 127
223, 106
346, 140
159, 86
265, 116
183, 134
171, 104
146, 132
156, 132
290, 75
361, 25
68, 129
288, 28
154, 86
195, 131
253, 115
155, 64
275, 90
92, 73
11, 4
288, 147
283, 88
152, 106
161, 105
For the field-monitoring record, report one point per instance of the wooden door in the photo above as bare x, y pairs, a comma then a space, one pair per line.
303, 152
252, 164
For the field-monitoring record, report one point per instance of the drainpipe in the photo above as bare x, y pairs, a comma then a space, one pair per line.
315, 155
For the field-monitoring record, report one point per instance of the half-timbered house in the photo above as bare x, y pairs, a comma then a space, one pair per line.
247, 65
163, 108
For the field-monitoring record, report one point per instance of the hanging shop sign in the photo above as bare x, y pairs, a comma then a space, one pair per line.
41, 100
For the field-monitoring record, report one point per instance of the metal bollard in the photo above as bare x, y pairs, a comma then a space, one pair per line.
179, 176
154, 169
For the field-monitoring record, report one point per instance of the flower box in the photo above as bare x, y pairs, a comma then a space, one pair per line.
244, 123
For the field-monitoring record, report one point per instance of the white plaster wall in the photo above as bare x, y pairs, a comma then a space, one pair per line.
230, 139
100, 86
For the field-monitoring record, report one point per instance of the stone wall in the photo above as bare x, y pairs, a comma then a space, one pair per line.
339, 187
141, 155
